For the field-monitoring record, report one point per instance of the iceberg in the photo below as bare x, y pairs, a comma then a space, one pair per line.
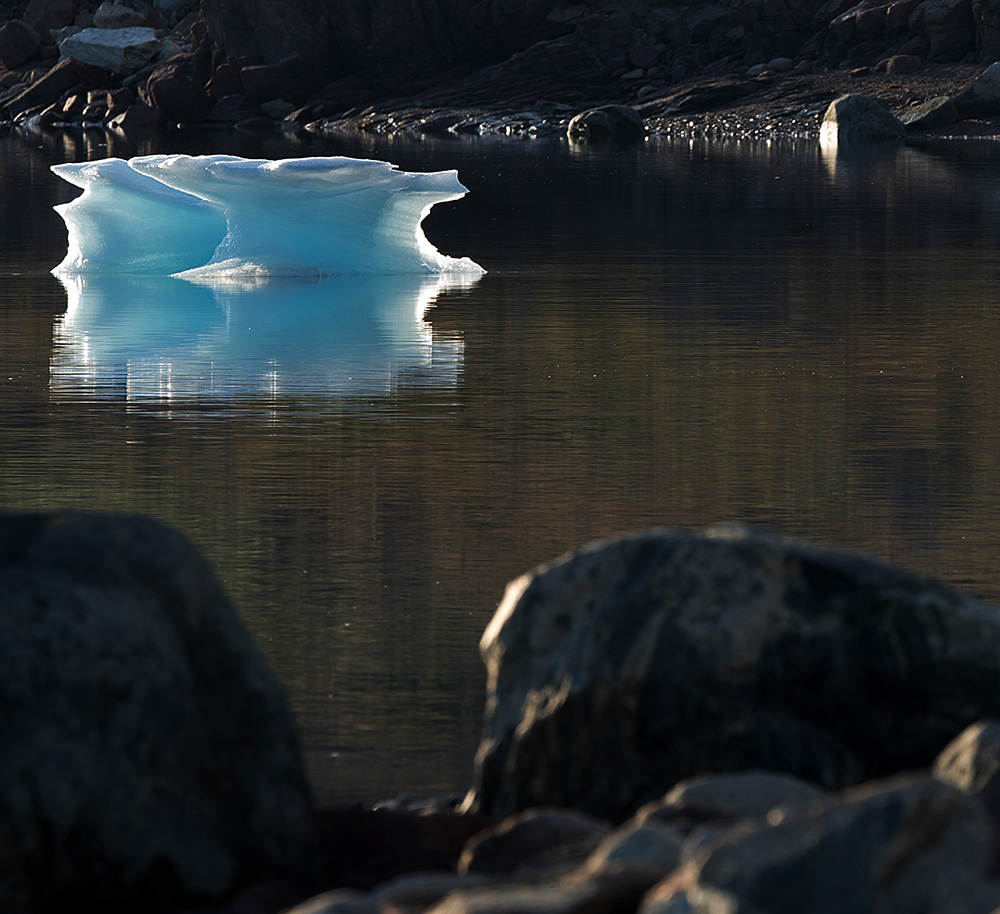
220, 217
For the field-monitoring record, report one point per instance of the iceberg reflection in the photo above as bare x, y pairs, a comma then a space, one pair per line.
146, 338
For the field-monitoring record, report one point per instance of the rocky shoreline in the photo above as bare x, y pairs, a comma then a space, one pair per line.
714, 722
129, 66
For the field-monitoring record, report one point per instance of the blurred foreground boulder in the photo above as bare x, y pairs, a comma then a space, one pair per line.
147, 753
634, 663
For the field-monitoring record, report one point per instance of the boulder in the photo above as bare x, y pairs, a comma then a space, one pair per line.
971, 762
608, 122
533, 837
67, 75
290, 78
114, 15
146, 750
948, 25
907, 845
233, 108
899, 64
137, 118
615, 892
735, 795
856, 120
936, 112
18, 41
178, 92
618, 671
121, 51
981, 98
45, 15
648, 846
986, 14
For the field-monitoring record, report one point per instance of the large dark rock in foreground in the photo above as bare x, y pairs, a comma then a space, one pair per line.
632, 664
146, 751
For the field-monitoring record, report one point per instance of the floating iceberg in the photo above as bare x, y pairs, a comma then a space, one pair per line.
221, 217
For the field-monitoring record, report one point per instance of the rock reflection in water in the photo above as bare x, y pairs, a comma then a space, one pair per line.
152, 339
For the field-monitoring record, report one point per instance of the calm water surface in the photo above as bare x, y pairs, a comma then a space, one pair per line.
671, 334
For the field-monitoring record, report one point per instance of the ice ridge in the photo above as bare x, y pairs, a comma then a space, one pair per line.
219, 217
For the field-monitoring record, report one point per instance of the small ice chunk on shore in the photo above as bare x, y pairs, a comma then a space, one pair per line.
223, 217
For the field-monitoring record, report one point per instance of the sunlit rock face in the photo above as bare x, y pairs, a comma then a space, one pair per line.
218, 217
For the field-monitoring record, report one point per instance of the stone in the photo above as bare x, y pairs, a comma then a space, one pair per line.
634, 663
641, 846
421, 890
121, 51
936, 112
856, 120
277, 109
18, 41
971, 761
668, 898
226, 80
45, 15
66, 76
981, 98
781, 64
899, 64
338, 901
536, 836
949, 26
117, 100
911, 844
233, 108
606, 893
608, 122
289, 78
739, 794
136, 118
986, 15
177, 92
113, 15
146, 749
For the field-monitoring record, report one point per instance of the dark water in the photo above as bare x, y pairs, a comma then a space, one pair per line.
671, 334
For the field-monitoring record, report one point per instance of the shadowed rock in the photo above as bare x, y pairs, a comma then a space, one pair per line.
609, 122
981, 98
937, 112
618, 671
146, 750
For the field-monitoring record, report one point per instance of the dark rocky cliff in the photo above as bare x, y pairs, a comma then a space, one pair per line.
601, 39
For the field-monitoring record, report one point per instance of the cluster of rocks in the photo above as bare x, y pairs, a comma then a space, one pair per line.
747, 843
520, 66
856, 119
677, 722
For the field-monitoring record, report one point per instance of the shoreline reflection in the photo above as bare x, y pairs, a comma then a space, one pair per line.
162, 339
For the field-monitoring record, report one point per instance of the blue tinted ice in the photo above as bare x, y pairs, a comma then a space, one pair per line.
218, 217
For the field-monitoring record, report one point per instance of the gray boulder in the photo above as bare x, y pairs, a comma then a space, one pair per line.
121, 51
146, 750
981, 98
856, 120
608, 122
735, 795
936, 112
18, 41
618, 671
910, 846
